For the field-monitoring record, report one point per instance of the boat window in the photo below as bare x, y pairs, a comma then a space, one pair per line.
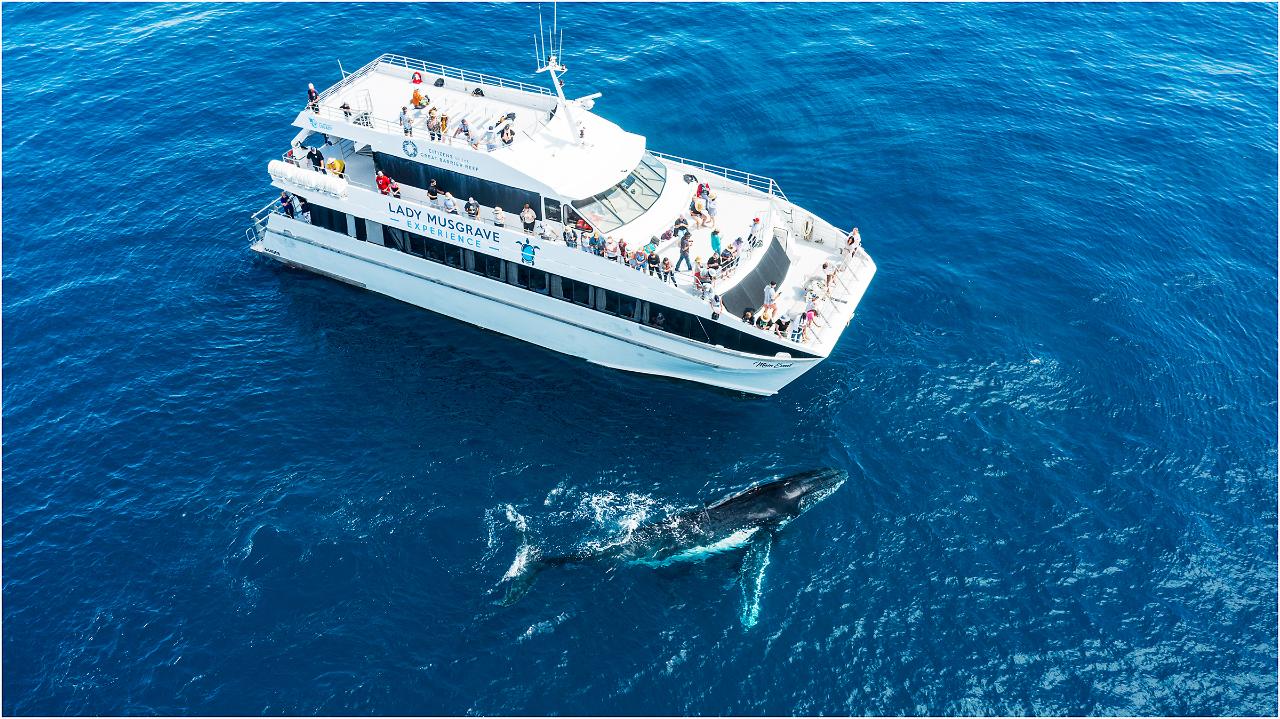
671, 321
626, 200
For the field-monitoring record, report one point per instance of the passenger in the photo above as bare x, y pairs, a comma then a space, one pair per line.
473, 208
435, 128
304, 209
654, 262
317, 159
433, 193
337, 167
508, 135
668, 272
717, 307
450, 205
570, 239
499, 218
781, 324
715, 241
313, 98
383, 182
638, 261
747, 317
489, 144
713, 262
395, 189
622, 248
852, 244
754, 233
829, 273
611, 249
699, 212
346, 110
418, 100
651, 247
770, 298
711, 208
286, 203
810, 313
528, 217
686, 244
660, 321
764, 318
739, 247
704, 189
406, 122
596, 245
465, 130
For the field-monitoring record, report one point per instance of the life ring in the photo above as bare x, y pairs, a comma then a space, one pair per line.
417, 78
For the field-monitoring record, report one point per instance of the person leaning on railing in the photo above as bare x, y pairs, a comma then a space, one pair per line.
313, 98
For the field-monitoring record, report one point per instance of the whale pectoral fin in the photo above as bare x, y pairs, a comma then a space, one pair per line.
751, 577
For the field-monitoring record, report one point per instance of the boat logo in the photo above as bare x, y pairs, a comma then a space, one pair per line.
410, 148
527, 248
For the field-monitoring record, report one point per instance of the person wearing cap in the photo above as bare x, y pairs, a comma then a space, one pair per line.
499, 217
317, 159
755, 228
716, 307
313, 98
473, 208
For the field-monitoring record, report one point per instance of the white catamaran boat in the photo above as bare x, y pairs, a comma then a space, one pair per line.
425, 205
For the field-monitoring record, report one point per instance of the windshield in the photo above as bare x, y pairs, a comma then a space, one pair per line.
626, 200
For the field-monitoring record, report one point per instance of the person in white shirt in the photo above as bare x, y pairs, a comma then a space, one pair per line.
499, 217
450, 205
770, 298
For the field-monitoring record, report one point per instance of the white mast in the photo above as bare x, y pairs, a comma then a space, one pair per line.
549, 53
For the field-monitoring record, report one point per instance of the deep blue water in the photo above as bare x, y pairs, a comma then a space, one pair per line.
230, 487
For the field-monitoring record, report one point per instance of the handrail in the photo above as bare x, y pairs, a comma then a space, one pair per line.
458, 73
764, 184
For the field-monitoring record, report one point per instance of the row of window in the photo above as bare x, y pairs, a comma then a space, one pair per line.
487, 193
610, 302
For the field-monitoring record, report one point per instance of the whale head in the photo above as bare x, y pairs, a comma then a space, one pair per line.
806, 489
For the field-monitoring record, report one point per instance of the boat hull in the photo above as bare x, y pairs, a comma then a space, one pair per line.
538, 319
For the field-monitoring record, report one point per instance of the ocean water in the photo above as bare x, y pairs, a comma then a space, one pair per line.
230, 487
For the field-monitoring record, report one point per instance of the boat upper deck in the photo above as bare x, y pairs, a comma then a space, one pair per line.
570, 162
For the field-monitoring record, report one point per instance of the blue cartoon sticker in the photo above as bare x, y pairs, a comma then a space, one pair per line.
527, 249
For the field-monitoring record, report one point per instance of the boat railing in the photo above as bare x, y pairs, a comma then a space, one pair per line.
764, 184
458, 73
258, 224
349, 79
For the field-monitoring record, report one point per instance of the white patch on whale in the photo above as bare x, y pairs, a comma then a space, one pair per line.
693, 554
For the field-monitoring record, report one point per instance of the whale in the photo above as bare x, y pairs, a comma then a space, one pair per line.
747, 521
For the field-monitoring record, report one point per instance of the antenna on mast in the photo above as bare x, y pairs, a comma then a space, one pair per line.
550, 52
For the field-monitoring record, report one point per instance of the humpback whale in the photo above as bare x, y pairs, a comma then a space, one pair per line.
749, 519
